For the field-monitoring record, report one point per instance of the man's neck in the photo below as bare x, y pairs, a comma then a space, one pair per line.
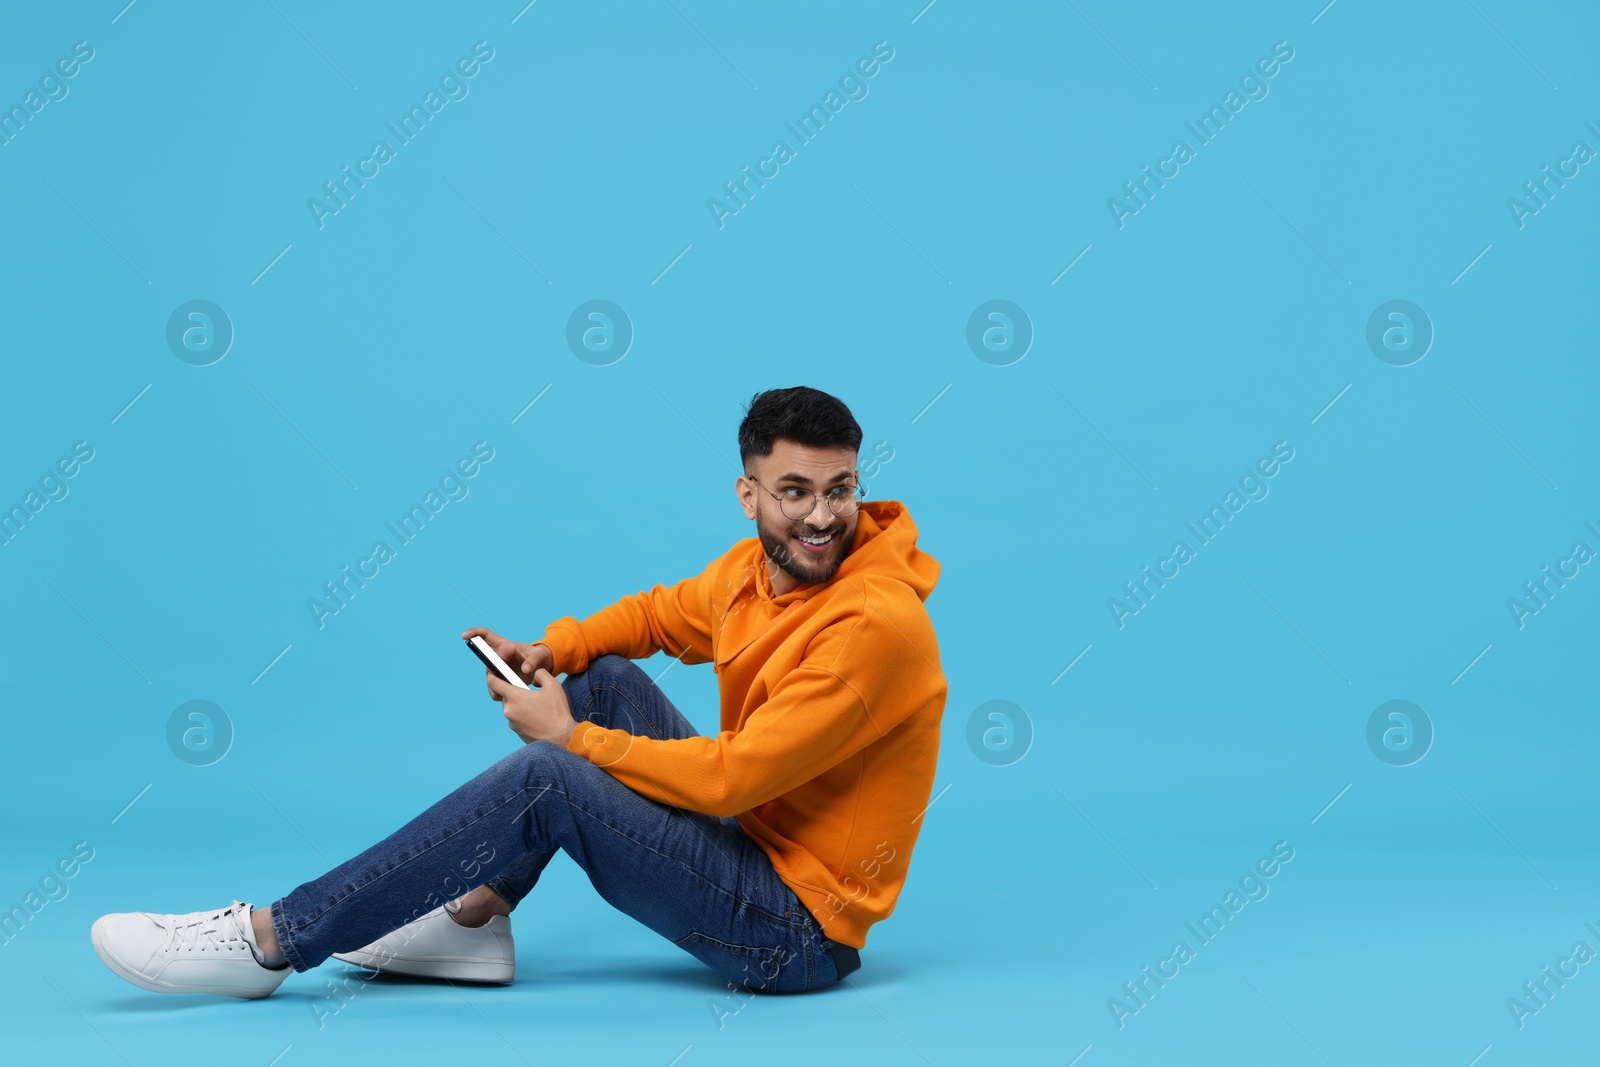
782, 581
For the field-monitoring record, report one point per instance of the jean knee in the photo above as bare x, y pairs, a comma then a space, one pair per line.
611, 669
606, 693
541, 763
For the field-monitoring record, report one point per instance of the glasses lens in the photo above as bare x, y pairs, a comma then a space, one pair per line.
798, 505
843, 500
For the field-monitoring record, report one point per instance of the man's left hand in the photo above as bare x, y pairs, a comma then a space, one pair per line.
539, 714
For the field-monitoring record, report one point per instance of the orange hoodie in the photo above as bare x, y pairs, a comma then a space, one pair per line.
831, 700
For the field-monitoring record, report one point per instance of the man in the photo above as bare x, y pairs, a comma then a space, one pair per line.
766, 851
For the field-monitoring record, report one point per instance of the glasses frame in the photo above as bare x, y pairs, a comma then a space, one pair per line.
857, 495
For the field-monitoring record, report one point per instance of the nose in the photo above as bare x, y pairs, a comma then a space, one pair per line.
819, 504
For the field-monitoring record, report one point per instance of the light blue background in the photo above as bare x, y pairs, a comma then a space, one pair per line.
426, 315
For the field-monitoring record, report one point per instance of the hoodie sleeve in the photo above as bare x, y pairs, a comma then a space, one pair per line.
675, 619
813, 719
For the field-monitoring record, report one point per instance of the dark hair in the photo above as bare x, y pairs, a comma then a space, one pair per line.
800, 414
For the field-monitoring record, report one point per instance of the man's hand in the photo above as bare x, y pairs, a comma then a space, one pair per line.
538, 714
526, 660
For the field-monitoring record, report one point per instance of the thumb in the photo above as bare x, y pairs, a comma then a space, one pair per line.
542, 678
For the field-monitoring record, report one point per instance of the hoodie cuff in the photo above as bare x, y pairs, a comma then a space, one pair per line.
564, 639
599, 745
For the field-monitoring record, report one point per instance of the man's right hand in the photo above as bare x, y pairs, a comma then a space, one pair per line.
524, 659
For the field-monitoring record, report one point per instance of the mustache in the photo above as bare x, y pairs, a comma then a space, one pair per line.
823, 530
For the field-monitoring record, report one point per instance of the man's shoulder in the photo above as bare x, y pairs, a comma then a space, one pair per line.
864, 594
883, 614
724, 578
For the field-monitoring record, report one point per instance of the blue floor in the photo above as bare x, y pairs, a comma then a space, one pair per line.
1365, 949
1315, 788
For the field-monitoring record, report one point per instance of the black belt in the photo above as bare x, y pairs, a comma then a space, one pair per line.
846, 960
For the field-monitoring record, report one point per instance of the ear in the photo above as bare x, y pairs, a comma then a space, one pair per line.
746, 494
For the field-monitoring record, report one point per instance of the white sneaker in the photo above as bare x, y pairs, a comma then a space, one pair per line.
436, 946
201, 952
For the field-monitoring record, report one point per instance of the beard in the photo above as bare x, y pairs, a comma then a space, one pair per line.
798, 563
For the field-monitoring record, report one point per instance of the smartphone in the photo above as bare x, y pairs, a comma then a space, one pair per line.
492, 660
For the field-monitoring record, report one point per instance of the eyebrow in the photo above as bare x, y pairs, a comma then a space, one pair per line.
803, 480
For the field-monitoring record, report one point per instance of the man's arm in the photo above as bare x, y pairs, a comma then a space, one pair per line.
676, 619
811, 721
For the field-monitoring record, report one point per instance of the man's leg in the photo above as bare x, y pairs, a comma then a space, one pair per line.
615, 693
696, 880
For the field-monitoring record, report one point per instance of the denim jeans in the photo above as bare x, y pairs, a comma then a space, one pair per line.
696, 880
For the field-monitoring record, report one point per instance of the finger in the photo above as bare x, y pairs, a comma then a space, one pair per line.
542, 678
476, 631
497, 685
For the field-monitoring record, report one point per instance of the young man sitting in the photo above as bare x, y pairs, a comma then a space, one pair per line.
766, 851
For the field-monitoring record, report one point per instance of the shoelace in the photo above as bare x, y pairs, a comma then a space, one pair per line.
220, 929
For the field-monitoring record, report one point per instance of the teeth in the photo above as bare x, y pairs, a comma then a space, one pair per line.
816, 540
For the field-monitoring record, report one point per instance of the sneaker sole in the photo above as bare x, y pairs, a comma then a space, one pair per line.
133, 977
489, 972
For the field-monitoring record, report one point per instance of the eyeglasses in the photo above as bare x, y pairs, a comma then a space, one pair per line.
797, 503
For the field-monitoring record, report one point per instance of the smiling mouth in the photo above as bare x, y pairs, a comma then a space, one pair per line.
817, 544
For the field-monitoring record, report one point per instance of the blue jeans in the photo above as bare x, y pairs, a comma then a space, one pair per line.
694, 879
